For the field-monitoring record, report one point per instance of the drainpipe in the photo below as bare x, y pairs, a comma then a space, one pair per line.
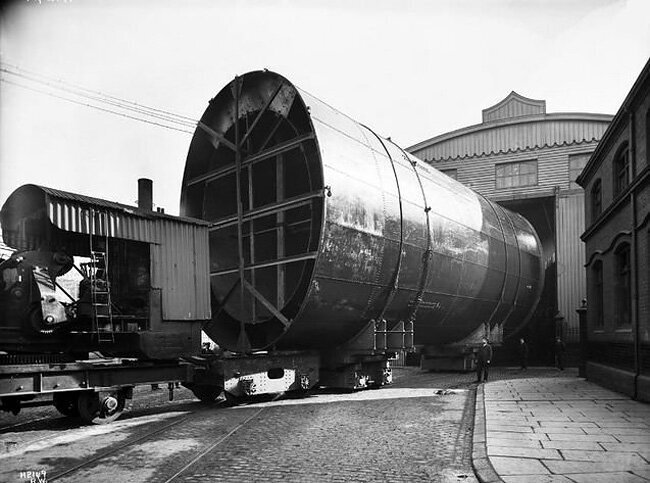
635, 296
634, 260
584, 339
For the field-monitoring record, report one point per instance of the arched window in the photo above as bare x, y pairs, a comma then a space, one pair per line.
621, 169
622, 285
597, 284
596, 200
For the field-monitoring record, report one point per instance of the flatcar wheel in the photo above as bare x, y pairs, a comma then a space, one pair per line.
101, 408
206, 394
67, 403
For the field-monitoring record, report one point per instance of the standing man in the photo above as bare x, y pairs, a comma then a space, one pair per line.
560, 347
523, 354
483, 359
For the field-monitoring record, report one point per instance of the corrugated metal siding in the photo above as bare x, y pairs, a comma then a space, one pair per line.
176, 245
99, 220
513, 108
571, 277
514, 137
180, 269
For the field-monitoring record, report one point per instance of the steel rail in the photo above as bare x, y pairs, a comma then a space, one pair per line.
218, 442
125, 444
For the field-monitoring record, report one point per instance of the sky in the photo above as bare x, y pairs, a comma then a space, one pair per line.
410, 70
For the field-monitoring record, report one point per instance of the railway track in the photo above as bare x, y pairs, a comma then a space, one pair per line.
159, 432
8, 427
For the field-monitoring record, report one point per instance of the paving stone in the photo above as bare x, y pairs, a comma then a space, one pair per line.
554, 419
519, 443
517, 436
583, 445
613, 457
595, 438
631, 438
508, 428
610, 477
536, 479
620, 423
626, 446
642, 473
564, 424
626, 431
538, 453
557, 430
517, 466
569, 467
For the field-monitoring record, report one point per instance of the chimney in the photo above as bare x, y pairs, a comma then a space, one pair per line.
145, 194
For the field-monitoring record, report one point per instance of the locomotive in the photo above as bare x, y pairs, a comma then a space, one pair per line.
309, 248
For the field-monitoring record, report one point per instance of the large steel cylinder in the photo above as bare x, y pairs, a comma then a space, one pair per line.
319, 225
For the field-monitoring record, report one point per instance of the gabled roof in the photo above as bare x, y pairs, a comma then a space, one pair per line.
514, 105
514, 124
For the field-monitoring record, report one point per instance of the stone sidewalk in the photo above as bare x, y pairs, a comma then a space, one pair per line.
562, 429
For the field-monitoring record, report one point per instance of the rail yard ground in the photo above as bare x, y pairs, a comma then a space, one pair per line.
419, 429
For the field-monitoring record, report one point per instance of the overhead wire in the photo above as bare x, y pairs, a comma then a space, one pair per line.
82, 91
74, 101
61, 81
100, 97
139, 112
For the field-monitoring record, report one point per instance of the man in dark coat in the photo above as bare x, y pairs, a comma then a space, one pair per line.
483, 359
523, 354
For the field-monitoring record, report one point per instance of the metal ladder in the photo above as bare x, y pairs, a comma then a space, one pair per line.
100, 288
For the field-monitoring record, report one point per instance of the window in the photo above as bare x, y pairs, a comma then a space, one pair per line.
621, 170
511, 175
597, 274
452, 173
623, 277
577, 163
596, 200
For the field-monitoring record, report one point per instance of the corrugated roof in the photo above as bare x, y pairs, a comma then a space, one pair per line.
60, 195
513, 134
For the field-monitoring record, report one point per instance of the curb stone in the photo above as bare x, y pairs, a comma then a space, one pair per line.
482, 467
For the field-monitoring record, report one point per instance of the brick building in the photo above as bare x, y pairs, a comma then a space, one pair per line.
617, 186
527, 160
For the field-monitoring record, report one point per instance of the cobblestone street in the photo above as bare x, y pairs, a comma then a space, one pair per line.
418, 429
408, 432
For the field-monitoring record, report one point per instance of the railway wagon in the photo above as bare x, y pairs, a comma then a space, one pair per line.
327, 236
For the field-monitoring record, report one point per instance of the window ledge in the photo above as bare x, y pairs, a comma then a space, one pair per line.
623, 331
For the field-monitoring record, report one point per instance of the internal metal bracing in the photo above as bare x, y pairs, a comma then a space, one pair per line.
253, 173
319, 226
